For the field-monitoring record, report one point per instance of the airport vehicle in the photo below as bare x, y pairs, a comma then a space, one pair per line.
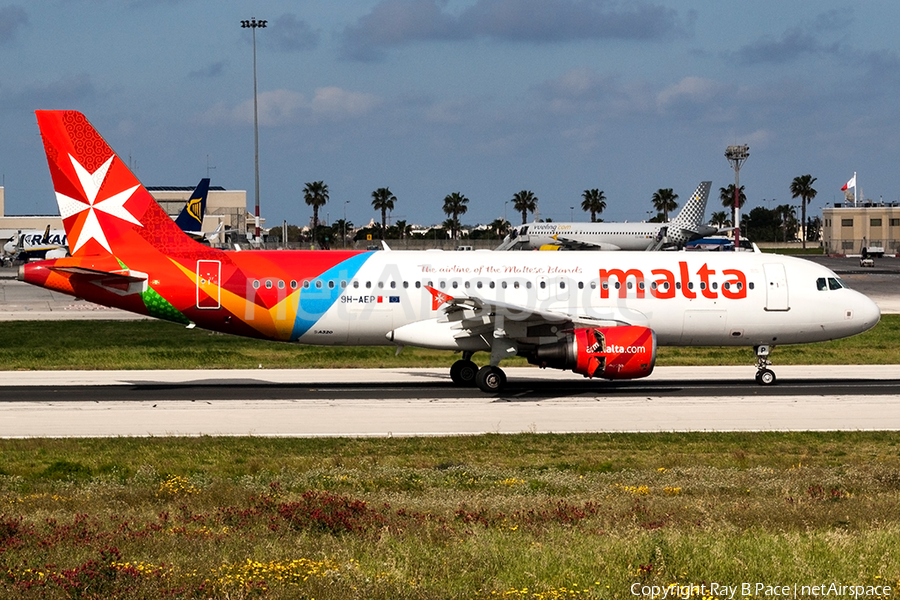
598, 314
687, 226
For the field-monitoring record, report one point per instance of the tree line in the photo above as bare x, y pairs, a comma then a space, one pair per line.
762, 224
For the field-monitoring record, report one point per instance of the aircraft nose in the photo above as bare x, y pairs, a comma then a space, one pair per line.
866, 312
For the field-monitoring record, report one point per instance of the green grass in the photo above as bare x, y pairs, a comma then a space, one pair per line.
27, 345
519, 516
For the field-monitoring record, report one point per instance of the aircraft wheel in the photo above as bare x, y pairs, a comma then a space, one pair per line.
490, 379
463, 372
765, 377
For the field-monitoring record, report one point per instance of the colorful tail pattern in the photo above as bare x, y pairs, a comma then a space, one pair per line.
103, 205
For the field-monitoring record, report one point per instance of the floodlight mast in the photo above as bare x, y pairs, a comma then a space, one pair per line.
252, 24
737, 155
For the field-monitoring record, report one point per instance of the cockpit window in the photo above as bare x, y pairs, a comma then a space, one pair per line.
831, 283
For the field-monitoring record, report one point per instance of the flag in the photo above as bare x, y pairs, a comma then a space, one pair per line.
850, 184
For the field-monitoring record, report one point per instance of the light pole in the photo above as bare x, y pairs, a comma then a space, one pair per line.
253, 24
737, 155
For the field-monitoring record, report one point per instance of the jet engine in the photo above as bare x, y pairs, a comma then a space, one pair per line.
627, 352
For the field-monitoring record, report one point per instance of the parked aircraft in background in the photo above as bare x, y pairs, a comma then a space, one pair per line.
53, 243
190, 219
36, 244
600, 315
687, 226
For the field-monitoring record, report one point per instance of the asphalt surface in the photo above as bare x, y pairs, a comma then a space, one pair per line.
382, 402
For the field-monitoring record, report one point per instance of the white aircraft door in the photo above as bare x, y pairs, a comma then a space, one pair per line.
776, 287
209, 294
543, 288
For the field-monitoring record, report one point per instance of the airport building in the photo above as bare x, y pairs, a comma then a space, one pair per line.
228, 207
847, 229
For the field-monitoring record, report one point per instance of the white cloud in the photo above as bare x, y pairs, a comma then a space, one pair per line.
286, 107
337, 103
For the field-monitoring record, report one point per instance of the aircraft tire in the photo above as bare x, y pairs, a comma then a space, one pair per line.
765, 377
463, 373
490, 379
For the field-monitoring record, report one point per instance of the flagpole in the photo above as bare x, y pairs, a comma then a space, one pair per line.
855, 188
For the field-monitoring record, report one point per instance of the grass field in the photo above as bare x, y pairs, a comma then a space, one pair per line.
521, 516
517, 517
28, 345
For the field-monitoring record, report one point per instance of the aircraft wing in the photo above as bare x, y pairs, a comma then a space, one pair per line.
473, 316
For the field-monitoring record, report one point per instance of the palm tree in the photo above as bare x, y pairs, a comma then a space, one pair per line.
383, 200
500, 227
316, 195
719, 219
343, 227
403, 228
664, 201
524, 202
726, 195
594, 202
455, 205
788, 218
802, 188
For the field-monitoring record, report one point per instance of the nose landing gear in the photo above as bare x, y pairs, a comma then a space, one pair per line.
764, 375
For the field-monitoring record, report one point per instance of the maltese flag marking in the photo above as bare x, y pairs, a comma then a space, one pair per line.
113, 205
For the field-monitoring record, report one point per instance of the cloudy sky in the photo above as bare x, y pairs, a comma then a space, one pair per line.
481, 97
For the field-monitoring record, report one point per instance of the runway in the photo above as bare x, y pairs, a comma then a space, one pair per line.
382, 402
406, 402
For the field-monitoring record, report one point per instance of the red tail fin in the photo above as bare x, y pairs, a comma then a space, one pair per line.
103, 205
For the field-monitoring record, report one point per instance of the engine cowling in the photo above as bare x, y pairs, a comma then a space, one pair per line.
627, 352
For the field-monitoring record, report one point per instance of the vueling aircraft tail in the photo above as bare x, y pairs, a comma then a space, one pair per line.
688, 225
104, 207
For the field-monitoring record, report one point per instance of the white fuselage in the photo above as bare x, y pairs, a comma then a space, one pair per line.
686, 298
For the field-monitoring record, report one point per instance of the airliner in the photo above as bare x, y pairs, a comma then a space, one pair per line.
190, 219
602, 315
25, 245
687, 226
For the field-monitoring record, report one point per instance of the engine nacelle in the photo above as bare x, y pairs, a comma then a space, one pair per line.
610, 352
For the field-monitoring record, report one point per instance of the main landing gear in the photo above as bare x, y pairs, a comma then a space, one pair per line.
466, 373
764, 375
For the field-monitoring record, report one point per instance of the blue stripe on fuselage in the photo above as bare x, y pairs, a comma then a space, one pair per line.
315, 302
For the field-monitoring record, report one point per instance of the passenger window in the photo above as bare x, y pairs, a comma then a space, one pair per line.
256, 284
368, 285
293, 284
306, 285
268, 284
318, 284
356, 284
503, 285
331, 284
750, 285
280, 284
580, 285
393, 285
